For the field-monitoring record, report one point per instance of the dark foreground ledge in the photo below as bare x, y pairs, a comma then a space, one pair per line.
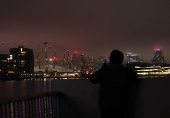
35, 96
149, 98
43, 105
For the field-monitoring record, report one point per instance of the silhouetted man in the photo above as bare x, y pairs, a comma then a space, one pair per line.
114, 80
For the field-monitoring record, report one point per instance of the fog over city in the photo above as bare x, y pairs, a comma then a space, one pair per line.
91, 27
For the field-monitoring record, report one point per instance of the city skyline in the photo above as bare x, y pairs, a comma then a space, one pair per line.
91, 27
59, 54
53, 51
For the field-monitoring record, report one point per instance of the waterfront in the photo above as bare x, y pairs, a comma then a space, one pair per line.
25, 87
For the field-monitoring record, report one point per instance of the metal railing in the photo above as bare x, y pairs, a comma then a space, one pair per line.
44, 105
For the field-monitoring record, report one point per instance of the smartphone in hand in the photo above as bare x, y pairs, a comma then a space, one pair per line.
106, 61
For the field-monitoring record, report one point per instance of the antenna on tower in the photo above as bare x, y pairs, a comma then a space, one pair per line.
46, 47
64, 60
38, 59
68, 60
54, 61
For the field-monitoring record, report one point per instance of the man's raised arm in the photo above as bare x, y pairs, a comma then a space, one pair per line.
98, 75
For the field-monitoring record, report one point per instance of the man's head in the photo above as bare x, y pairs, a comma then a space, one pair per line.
116, 57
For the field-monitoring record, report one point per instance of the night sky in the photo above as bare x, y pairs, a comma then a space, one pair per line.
92, 27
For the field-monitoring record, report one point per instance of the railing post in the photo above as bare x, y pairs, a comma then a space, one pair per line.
27, 109
48, 110
53, 106
8, 113
50, 107
45, 107
34, 108
57, 105
16, 109
40, 106
20, 109
12, 109
3, 111
0, 112
36, 102
30, 108
23, 109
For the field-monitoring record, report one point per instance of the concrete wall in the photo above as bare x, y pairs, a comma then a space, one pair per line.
80, 99
149, 98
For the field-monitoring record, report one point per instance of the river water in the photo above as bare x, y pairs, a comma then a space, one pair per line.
26, 87
19, 88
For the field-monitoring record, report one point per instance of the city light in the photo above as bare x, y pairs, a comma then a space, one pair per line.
87, 72
81, 62
158, 49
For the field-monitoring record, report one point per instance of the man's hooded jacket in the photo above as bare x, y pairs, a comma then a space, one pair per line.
114, 80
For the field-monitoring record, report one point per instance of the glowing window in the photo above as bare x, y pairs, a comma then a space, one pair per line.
10, 71
23, 52
11, 57
22, 60
4, 60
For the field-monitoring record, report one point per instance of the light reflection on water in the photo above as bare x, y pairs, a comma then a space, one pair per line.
24, 87
18, 88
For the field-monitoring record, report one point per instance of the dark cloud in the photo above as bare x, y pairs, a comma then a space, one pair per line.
89, 26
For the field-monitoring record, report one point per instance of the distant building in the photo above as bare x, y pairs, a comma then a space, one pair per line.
158, 57
4, 67
134, 58
19, 61
83, 63
80, 63
100, 62
91, 64
74, 60
150, 70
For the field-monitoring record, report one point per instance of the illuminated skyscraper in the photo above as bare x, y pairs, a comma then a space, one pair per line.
158, 57
133, 58
91, 64
24, 58
19, 61
100, 61
83, 63
74, 60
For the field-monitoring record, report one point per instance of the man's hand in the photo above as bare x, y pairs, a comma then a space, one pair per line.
104, 66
